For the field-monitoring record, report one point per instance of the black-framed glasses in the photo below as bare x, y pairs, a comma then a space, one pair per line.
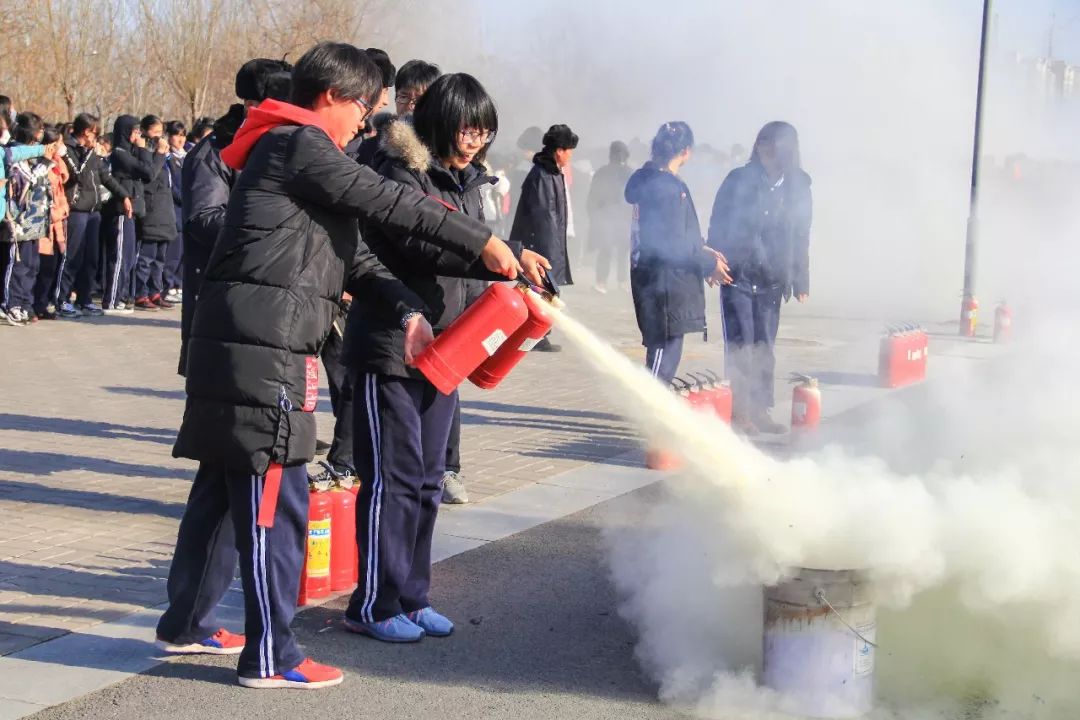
407, 100
363, 106
484, 137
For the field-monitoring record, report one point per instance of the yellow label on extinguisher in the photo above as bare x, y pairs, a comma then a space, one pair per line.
318, 548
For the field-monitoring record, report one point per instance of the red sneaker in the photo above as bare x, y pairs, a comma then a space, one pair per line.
144, 303
308, 675
222, 642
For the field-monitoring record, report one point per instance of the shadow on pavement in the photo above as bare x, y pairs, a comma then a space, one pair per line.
86, 428
47, 463
143, 319
146, 392
534, 410
29, 492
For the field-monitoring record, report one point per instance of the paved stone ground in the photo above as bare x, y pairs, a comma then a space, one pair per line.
90, 495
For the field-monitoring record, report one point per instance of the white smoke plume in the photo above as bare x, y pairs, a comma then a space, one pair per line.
975, 560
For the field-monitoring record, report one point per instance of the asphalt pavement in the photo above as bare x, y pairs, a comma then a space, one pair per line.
538, 636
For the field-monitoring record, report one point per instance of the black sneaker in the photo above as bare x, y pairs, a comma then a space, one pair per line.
546, 345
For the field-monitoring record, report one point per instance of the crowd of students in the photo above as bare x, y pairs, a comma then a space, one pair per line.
91, 220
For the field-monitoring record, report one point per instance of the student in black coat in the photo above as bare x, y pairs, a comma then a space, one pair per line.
761, 222
541, 218
133, 165
176, 132
289, 247
542, 215
402, 420
669, 262
157, 227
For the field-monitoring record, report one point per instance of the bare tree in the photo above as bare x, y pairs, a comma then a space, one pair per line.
183, 41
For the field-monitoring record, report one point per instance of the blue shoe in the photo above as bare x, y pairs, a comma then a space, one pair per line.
398, 629
433, 623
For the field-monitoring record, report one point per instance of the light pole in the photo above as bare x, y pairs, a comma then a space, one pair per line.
969, 308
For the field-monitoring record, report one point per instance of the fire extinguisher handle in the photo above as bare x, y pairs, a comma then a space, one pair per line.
548, 284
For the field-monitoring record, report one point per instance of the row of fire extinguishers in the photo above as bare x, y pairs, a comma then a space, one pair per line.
332, 560
706, 392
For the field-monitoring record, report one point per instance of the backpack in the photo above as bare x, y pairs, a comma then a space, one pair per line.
29, 194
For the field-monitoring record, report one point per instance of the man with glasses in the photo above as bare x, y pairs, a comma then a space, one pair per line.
411, 82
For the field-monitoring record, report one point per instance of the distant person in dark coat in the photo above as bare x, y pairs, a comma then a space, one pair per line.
542, 213
529, 143
670, 262
609, 217
761, 222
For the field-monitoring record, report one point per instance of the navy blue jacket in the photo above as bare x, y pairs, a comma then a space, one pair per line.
669, 261
764, 229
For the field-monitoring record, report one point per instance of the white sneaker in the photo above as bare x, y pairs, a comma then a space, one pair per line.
453, 489
600, 289
9, 317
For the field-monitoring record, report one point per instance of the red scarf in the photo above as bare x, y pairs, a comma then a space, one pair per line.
260, 120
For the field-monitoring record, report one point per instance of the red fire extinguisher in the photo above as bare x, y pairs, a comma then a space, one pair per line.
474, 337
352, 486
343, 551
969, 316
315, 575
805, 403
539, 303
719, 393
1003, 323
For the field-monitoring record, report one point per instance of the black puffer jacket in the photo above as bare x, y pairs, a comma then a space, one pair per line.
205, 184
87, 174
540, 220
132, 167
159, 222
289, 248
374, 340
669, 261
764, 229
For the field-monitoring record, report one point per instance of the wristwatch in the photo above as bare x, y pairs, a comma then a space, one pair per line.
409, 316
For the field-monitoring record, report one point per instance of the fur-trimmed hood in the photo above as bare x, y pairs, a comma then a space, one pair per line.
401, 141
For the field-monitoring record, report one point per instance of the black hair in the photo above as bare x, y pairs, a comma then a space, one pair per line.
382, 61
5, 104
782, 137
559, 137
619, 153
452, 103
106, 138
340, 67
84, 122
202, 127
175, 127
50, 134
150, 121
27, 127
279, 86
416, 75
671, 139
253, 78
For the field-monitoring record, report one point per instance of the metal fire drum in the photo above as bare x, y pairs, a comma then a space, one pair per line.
819, 644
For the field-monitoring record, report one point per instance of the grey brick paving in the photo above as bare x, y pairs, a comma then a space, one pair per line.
90, 495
